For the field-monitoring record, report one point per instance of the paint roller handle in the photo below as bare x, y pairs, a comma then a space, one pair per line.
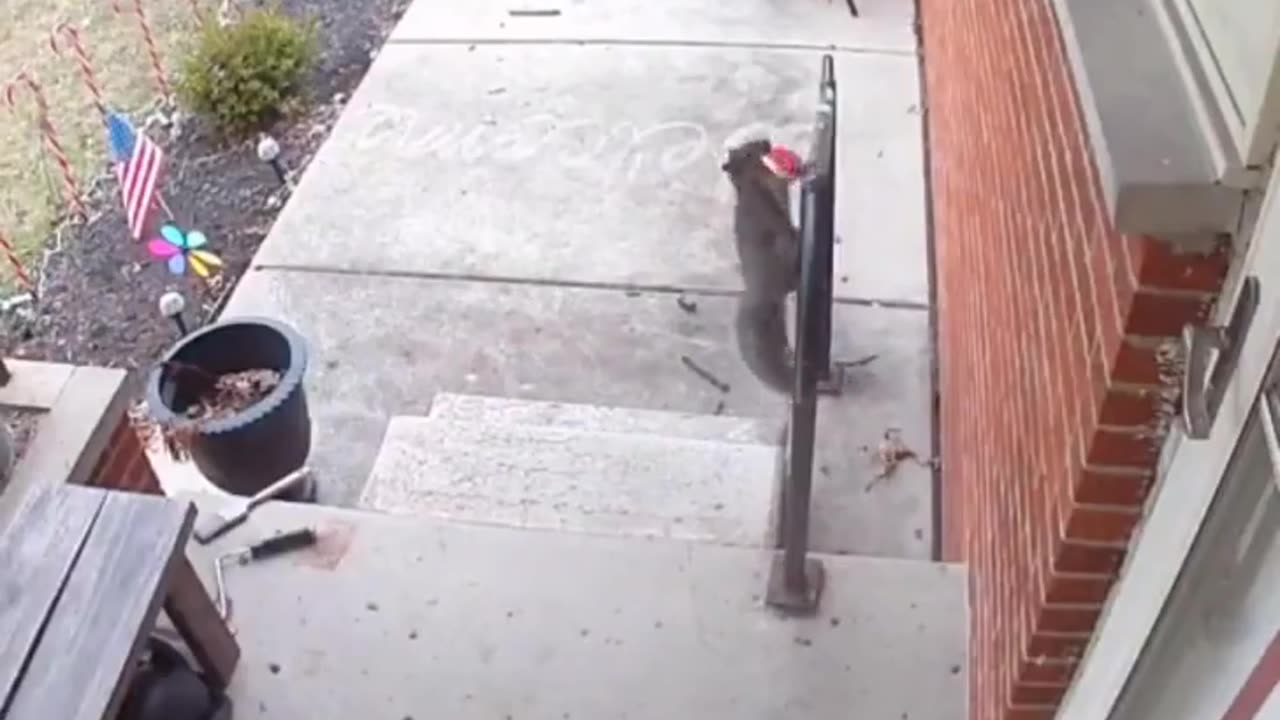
280, 544
279, 487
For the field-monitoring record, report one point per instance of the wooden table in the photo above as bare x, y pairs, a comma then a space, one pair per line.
83, 575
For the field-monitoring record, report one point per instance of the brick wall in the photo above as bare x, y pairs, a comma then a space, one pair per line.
123, 464
1050, 334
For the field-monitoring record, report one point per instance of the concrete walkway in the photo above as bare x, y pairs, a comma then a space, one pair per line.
511, 206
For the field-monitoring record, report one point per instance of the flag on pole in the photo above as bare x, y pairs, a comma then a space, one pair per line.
138, 162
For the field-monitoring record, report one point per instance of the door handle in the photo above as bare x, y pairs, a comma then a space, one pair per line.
1212, 353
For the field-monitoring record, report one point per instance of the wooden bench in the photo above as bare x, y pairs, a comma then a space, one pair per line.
83, 575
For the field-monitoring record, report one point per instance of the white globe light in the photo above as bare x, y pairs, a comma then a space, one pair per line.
172, 304
268, 148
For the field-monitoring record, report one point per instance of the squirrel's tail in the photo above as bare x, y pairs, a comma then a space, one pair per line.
762, 340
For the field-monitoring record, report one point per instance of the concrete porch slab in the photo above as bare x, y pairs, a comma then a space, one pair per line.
599, 165
881, 25
384, 346
407, 618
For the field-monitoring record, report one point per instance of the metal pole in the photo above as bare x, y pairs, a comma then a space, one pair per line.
795, 580
5, 375
799, 495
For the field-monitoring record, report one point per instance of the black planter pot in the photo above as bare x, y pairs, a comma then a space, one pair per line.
248, 451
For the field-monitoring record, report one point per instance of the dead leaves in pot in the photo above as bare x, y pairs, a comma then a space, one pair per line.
234, 393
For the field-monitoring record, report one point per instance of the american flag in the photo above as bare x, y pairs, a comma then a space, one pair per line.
138, 162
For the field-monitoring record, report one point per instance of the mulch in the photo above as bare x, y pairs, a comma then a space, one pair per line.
101, 288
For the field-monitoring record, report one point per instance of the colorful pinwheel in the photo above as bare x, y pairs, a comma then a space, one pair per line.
182, 250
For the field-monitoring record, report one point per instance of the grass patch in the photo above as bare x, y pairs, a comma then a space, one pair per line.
31, 196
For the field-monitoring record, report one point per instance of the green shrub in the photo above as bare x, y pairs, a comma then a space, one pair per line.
242, 75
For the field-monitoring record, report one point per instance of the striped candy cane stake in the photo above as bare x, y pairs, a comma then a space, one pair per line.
24, 278
66, 32
71, 188
162, 81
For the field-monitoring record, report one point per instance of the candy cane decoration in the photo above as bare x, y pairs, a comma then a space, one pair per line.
71, 188
162, 81
19, 269
73, 40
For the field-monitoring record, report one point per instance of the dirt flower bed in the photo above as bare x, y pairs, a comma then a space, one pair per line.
100, 288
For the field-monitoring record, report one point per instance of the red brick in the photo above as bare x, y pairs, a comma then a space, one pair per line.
1031, 694
1163, 267
1101, 525
1130, 408
1037, 296
1136, 363
1122, 449
1088, 559
1076, 588
1043, 712
1050, 672
1120, 488
1068, 618
1163, 314
1059, 646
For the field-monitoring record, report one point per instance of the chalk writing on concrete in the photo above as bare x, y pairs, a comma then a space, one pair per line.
620, 151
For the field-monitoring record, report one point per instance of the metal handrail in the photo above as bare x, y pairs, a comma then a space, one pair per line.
796, 580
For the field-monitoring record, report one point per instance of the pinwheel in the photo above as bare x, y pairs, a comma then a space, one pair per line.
182, 250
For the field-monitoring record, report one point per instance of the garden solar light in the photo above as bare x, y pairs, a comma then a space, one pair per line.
269, 153
171, 306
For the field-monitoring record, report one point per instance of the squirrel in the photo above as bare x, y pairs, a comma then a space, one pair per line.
769, 252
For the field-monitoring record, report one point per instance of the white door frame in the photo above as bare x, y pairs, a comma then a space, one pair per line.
1185, 487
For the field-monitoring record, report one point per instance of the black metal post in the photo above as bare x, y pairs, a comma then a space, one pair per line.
795, 582
5, 375
278, 167
832, 379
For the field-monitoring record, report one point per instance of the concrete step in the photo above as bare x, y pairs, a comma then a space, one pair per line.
578, 416
393, 617
619, 483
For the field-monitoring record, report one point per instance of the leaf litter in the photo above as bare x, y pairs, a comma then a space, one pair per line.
890, 453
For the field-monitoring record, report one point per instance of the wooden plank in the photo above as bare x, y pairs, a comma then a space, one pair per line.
35, 385
86, 656
72, 435
196, 618
37, 553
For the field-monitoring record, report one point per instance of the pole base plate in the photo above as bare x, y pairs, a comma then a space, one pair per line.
795, 601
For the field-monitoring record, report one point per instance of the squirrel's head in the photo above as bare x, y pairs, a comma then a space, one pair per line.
753, 155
